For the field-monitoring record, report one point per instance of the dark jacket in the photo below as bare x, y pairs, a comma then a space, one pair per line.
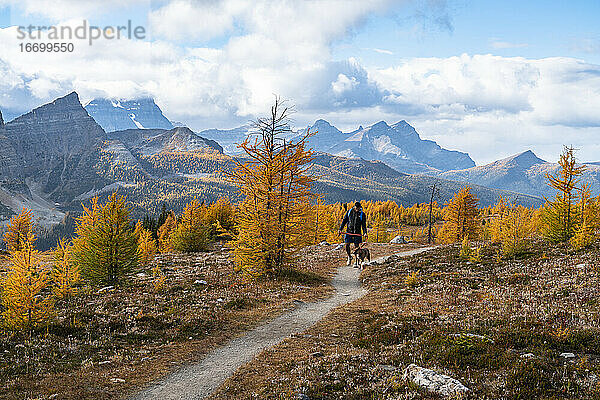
355, 221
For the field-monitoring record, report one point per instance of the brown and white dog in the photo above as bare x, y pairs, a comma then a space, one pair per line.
360, 255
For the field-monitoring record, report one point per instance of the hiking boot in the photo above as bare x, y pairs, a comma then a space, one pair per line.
349, 263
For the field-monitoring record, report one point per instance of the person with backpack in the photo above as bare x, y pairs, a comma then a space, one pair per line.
355, 222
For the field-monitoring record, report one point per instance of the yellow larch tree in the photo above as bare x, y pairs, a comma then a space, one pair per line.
461, 218
273, 180
65, 273
18, 229
165, 232
560, 217
25, 301
585, 232
105, 247
191, 233
146, 244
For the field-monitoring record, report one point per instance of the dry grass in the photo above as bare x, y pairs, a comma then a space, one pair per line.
545, 303
109, 341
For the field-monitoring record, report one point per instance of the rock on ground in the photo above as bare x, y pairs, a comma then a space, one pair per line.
433, 381
398, 240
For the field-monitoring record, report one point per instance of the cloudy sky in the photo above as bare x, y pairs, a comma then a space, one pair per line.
491, 78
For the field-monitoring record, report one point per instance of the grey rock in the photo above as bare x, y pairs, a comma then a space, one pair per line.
433, 381
567, 355
398, 240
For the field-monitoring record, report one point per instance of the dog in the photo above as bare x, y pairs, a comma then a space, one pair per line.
360, 255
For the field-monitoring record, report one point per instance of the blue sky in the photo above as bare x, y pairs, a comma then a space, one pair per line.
492, 78
532, 29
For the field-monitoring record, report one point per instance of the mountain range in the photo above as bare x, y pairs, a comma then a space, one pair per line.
523, 173
57, 156
398, 145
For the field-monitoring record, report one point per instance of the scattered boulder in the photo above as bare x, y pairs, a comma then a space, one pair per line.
380, 260
567, 355
339, 246
433, 381
399, 240
528, 355
323, 244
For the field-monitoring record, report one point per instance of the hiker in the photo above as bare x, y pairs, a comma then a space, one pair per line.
355, 221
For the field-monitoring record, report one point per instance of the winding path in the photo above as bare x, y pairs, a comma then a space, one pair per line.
198, 381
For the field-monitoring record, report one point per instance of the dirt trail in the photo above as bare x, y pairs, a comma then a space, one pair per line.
198, 381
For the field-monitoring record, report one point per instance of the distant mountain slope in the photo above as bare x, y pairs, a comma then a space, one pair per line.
10, 168
116, 115
56, 146
56, 157
523, 173
228, 138
347, 179
152, 141
398, 145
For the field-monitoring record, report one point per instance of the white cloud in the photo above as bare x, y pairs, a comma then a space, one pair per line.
186, 19
343, 84
484, 104
383, 51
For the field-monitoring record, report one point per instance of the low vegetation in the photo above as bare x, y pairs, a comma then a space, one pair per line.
504, 327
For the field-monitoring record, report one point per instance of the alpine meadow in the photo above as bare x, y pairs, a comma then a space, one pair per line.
314, 200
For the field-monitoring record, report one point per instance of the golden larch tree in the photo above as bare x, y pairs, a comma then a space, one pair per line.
65, 273
146, 244
191, 233
18, 230
560, 217
585, 232
25, 301
512, 227
165, 232
461, 218
273, 218
105, 247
